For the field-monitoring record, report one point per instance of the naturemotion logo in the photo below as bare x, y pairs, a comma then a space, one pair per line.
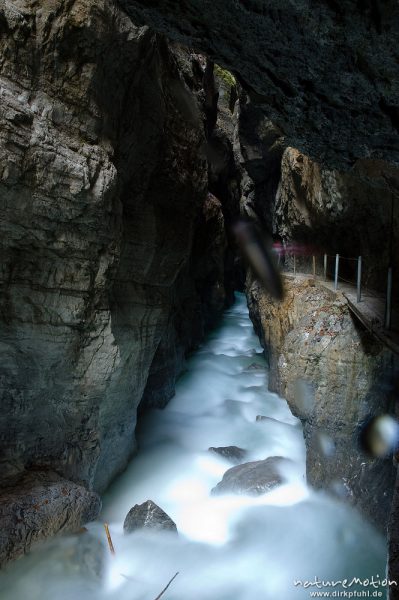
348, 588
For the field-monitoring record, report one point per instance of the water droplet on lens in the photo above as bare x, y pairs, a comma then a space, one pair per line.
326, 444
380, 436
304, 396
341, 489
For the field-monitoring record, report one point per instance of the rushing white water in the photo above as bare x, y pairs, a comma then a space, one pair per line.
229, 547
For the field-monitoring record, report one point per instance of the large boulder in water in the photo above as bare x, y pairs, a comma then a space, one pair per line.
148, 516
40, 504
253, 478
232, 453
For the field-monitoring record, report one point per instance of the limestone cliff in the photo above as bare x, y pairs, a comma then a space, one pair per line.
105, 278
334, 376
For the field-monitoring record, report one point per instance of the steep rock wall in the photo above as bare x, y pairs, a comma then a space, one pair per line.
259, 147
334, 376
103, 190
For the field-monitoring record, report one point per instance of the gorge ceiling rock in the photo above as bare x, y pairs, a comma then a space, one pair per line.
148, 516
324, 72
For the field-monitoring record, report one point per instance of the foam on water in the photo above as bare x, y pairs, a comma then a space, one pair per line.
229, 547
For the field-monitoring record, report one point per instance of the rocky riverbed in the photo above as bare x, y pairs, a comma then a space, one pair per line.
236, 543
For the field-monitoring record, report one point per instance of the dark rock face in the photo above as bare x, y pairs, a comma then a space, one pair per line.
199, 292
287, 54
253, 478
148, 516
334, 375
232, 453
349, 213
39, 505
103, 184
259, 149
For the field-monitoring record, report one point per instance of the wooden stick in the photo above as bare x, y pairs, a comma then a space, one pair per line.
165, 588
110, 544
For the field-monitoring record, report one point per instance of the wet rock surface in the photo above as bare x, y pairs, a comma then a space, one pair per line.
148, 516
39, 505
285, 54
232, 453
253, 478
112, 259
334, 375
103, 186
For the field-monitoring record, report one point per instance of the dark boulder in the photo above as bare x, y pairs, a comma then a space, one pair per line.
39, 505
148, 516
232, 453
253, 478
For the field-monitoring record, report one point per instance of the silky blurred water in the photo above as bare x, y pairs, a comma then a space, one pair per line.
229, 547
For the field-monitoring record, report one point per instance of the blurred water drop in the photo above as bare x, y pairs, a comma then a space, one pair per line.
341, 489
346, 536
380, 436
326, 444
260, 257
304, 396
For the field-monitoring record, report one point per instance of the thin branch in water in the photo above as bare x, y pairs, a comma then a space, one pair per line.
110, 544
165, 588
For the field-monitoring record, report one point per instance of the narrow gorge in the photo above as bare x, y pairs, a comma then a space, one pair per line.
164, 166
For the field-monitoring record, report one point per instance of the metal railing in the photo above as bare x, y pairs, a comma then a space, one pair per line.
335, 274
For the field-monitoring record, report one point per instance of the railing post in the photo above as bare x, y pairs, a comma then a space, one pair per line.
388, 305
336, 272
359, 278
314, 267
325, 267
294, 265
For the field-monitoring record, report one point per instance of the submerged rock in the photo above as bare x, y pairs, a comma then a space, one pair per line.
39, 505
148, 516
233, 453
81, 556
267, 419
253, 478
255, 367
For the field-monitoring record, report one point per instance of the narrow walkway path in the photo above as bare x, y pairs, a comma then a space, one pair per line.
370, 310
